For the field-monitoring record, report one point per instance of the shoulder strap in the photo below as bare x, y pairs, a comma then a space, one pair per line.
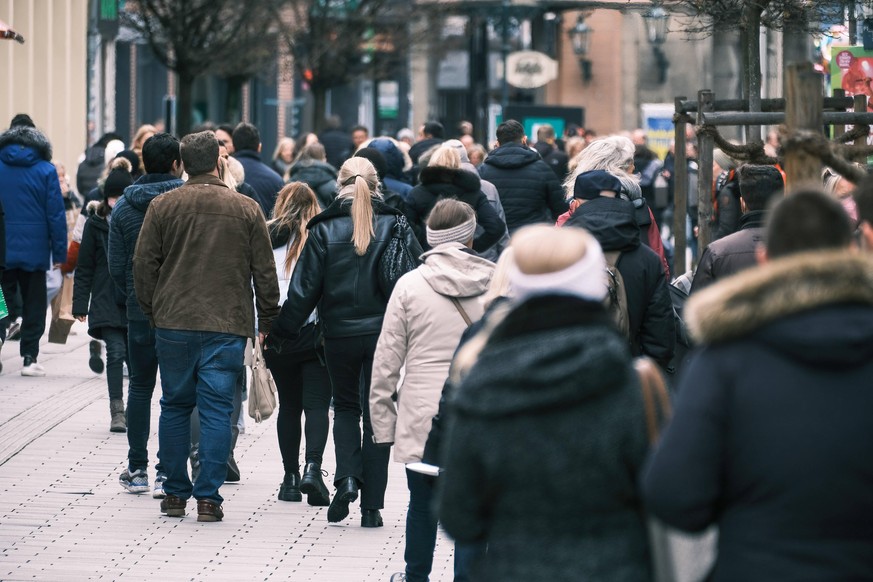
462, 311
656, 399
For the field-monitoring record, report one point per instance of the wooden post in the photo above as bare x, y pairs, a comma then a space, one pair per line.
705, 145
680, 193
860, 106
803, 112
839, 129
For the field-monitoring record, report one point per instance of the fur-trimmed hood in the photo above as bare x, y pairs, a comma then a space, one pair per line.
32, 147
830, 295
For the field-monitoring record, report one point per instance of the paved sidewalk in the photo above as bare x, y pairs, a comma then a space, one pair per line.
63, 515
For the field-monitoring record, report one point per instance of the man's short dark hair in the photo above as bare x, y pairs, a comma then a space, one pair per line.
22, 120
360, 128
759, 184
225, 127
246, 137
159, 152
333, 122
434, 129
807, 220
510, 131
199, 152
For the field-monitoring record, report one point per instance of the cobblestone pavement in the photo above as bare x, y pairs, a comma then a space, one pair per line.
63, 515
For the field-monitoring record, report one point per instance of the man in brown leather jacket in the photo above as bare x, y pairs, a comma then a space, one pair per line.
200, 248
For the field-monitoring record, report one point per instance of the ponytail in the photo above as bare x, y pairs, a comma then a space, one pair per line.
358, 180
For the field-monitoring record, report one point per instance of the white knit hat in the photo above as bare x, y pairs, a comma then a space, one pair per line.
460, 234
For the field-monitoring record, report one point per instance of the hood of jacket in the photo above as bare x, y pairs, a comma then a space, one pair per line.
393, 157
312, 172
148, 187
549, 352
512, 155
611, 221
453, 270
813, 307
434, 176
24, 146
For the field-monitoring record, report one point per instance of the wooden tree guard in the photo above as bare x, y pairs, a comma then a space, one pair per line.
803, 116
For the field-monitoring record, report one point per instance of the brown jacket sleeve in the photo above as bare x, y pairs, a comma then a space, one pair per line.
147, 260
263, 274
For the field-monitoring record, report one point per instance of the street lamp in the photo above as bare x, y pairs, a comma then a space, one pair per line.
656, 19
580, 36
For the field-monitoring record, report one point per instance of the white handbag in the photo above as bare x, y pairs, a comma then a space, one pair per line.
262, 390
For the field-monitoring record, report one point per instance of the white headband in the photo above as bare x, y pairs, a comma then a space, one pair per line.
461, 233
586, 278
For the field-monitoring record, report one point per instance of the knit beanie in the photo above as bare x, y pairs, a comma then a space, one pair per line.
724, 161
112, 149
460, 234
131, 157
118, 179
376, 158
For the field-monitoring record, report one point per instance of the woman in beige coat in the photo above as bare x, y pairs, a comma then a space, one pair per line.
428, 311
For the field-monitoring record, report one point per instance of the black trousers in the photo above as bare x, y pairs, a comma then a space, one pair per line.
304, 387
350, 366
34, 305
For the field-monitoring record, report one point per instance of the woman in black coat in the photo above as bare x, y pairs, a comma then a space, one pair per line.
95, 296
546, 431
444, 178
337, 271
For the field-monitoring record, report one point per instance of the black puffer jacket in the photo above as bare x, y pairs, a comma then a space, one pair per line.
93, 283
727, 220
333, 277
438, 183
320, 176
650, 311
731, 254
127, 218
529, 190
551, 406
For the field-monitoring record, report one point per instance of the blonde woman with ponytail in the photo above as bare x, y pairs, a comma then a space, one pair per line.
301, 378
337, 271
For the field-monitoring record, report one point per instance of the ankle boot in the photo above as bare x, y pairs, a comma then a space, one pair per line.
346, 492
313, 485
118, 422
289, 489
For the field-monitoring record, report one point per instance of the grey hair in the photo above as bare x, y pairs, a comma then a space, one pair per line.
614, 154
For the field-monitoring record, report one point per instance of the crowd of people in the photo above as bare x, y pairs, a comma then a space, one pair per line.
486, 315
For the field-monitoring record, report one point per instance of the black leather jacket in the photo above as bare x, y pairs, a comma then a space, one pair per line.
333, 277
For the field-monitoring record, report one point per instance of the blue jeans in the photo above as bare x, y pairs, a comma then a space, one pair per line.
421, 527
143, 364
199, 369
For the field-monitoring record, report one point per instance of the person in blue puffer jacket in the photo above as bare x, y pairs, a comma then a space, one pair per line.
36, 228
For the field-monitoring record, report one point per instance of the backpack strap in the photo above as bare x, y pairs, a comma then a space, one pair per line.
462, 311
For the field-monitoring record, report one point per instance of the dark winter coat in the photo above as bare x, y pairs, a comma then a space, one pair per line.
332, 276
545, 441
650, 311
265, 181
731, 254
320, 176
36, 223
555, 158
772, 434
2, 237
338, 146
127, 218
94, 292
422, 146
529, 190
438, 183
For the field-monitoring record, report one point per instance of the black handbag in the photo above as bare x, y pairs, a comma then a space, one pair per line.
397, 260
310, 338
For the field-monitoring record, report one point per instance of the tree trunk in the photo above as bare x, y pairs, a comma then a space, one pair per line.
184, 102
752, 22
795, 40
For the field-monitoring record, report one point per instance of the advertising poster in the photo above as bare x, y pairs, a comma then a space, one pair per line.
658, 123
852, 71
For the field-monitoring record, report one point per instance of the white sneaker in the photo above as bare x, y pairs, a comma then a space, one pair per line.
31, 368
158, 492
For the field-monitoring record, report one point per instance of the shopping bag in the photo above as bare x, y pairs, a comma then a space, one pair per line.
262, 391
62, 313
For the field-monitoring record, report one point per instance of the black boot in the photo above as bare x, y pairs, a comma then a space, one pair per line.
313, 485
289, 490
371, 518
346, 492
